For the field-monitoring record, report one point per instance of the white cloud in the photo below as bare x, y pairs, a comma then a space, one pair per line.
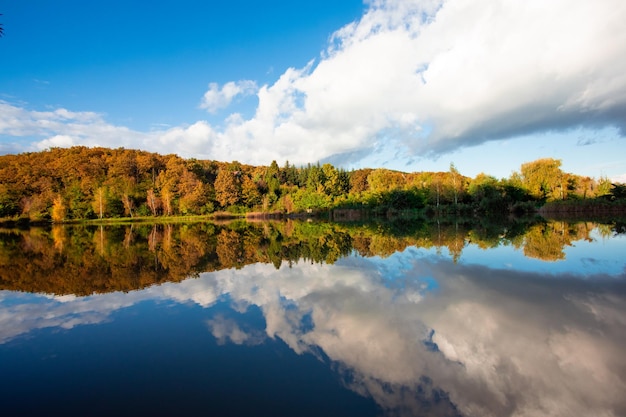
216, 98
63, 128
435, 76
57, 141
17, 121
416, 77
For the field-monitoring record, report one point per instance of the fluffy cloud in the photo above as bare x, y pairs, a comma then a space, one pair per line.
64, 128
216, 98
435, 76
57, 141
420, 77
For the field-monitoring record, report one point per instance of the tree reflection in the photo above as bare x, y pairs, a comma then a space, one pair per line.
546, 241
83, 260
482, 342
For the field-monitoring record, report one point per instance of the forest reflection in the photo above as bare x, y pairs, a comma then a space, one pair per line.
88, 259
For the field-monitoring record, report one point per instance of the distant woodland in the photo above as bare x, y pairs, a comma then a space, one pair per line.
96, 183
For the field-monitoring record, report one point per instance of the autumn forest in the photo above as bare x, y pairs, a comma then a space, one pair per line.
99, 183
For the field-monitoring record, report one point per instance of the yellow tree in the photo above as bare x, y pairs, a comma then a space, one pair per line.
167, 182
381, 180
250, 192
228, 185
153, 202
192, 193
167, 197
193, 199
59, 209
542, 178
99, 202
129, 204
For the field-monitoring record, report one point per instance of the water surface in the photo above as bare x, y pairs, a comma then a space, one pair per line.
314, 319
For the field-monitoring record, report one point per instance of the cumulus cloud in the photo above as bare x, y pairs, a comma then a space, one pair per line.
419, 77
217, 98
57, 141
18, 121
457, 73
64, 128
438, 75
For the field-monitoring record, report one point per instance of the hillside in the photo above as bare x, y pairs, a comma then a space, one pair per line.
88, 183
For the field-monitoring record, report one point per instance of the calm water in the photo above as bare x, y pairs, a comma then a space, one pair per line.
314, 319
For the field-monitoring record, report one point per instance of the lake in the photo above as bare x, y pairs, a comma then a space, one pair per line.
403, 318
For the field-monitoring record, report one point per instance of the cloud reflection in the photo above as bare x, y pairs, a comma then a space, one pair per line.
227, 330
482, 342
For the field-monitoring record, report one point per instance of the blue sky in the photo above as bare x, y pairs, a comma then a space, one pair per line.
404, 84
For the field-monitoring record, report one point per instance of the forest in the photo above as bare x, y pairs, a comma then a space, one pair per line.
71, 184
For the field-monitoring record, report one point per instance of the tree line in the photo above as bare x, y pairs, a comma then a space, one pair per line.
62, 184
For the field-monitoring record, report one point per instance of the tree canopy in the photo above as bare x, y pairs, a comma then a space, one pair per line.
87, 183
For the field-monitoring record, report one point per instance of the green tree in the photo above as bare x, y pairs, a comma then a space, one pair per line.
435, 187
487, 195
288, 174
336, 181
272, 179
315, 178
604, 187
381, 180
542, 178
8, 205
456, 180
305, 200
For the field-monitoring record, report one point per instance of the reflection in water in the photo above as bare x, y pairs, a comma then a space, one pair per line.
83, 260
416, 331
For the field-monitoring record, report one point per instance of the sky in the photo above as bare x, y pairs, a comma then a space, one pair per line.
412, 85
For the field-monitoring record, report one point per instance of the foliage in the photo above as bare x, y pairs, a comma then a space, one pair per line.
89, 183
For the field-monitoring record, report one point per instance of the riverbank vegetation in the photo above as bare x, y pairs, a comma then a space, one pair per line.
80, 183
